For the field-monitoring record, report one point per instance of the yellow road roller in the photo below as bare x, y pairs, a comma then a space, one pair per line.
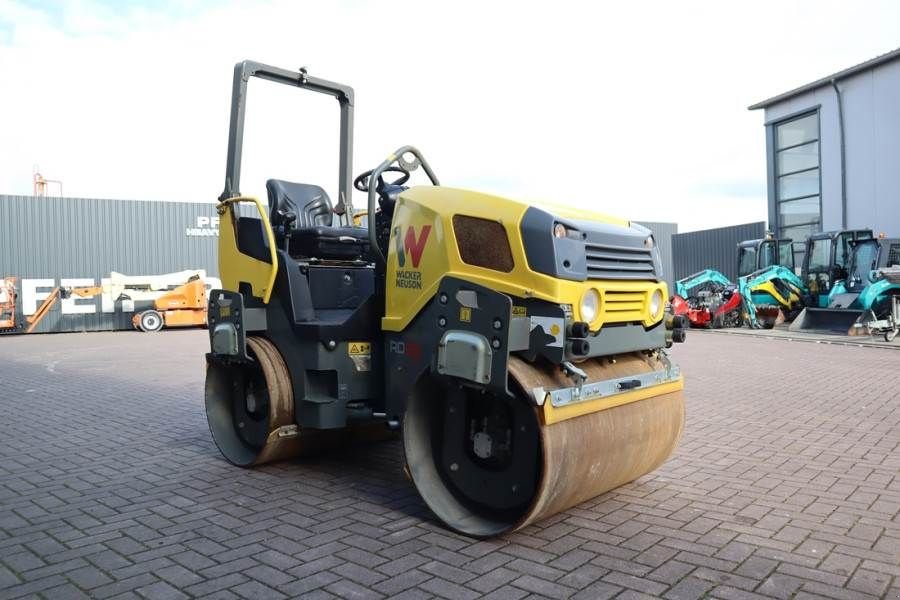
520, 350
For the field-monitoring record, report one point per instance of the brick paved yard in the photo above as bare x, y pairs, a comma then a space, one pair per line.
786, 485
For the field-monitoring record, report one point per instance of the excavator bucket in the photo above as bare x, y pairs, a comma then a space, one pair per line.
838, 321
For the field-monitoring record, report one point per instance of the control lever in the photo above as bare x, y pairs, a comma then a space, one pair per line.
288, 218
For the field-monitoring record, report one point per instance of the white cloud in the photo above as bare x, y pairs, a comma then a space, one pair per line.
636, 109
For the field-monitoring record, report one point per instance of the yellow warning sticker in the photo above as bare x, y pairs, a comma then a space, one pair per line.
224, 311
519, 312
359, 348
465, 314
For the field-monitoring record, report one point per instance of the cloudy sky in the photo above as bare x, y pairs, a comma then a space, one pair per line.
634, 108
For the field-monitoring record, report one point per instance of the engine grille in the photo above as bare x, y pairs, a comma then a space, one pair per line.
617, 302
606, 261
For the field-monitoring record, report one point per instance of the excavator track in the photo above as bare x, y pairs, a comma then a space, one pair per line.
561, 457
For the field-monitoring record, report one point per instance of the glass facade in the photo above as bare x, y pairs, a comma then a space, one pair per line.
797, 181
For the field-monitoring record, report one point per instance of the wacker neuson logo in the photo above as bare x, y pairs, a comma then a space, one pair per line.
413, 245
206, 227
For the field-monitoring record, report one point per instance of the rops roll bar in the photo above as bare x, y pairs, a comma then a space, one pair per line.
243, 71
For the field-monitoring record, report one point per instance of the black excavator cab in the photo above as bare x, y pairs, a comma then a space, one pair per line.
827, 260
755, 255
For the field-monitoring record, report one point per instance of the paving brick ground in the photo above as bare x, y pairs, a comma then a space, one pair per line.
786, 485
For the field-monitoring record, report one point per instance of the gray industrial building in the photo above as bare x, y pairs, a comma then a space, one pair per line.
78, 242
833, 147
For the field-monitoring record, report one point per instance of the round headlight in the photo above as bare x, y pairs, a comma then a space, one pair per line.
560, 231
590, 305
656, 303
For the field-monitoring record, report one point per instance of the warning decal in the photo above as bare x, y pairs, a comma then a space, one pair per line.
361, 355
359, 348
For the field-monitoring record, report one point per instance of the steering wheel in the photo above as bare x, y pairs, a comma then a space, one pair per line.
361, 183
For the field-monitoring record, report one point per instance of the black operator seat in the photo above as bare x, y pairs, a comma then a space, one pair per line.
311, 232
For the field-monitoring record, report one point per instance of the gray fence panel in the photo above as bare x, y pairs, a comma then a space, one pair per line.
712, 249
66, 238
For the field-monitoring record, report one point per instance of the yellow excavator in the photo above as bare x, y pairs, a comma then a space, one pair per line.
521, 350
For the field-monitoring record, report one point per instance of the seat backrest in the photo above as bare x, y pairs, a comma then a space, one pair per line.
309, 202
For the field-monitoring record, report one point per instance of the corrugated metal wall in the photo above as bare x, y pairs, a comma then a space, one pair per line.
712, 249
663, 233
83, 238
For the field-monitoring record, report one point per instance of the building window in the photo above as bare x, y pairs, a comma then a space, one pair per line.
797, 183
